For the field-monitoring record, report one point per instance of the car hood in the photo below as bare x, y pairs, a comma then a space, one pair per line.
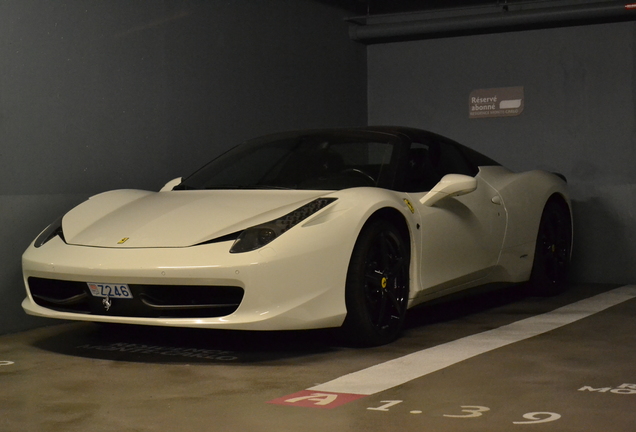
140, 219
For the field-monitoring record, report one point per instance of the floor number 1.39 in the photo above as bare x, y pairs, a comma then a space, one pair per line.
472, 411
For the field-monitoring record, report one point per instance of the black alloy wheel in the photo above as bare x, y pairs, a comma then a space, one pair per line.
377, 287
552, 253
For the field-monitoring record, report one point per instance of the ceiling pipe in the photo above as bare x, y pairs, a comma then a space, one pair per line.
490, 22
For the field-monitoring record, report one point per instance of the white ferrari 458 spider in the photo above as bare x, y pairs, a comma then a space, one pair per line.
309, 229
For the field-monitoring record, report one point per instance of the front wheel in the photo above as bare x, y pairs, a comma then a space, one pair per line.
377, 288
552, 252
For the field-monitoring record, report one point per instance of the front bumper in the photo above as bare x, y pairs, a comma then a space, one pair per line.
281, 291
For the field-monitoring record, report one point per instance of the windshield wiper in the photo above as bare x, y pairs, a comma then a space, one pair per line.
183, 187
246, 187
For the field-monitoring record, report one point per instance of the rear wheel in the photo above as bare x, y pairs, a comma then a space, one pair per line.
377, 287
552, 253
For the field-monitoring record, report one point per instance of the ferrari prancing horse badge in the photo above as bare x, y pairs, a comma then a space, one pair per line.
107, 303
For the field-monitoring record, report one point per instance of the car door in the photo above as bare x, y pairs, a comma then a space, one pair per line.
460, 237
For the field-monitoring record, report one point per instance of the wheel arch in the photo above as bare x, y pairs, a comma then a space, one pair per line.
564, 202
407, 233
551, 261
397, 219
561, 200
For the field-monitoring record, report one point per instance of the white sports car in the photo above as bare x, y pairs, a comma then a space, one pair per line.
309, 229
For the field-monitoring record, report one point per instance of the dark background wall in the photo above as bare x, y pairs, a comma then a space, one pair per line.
129, 94
579, 118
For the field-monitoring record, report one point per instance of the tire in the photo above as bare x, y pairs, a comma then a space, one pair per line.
377, 288
551, 263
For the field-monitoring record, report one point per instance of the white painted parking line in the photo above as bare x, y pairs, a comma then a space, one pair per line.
404, 369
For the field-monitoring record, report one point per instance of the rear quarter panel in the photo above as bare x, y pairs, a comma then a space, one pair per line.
524, 196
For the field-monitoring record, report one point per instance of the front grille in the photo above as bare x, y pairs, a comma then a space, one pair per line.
149, 301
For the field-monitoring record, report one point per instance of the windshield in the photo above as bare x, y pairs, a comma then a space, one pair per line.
308, 161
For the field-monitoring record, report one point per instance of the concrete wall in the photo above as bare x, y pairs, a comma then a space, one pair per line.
579, 118
129, 94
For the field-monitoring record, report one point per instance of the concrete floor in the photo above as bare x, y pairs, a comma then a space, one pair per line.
577, 376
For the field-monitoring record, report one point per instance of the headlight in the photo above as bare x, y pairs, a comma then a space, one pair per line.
53, 230
258, 236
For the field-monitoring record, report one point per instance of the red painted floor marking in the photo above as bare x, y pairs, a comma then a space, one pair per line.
315, 399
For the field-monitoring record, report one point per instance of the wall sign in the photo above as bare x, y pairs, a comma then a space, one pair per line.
496, 102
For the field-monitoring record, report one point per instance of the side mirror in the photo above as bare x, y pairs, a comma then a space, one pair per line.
449, 185
171, 184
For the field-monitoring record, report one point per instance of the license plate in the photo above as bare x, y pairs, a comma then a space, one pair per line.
110, 290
